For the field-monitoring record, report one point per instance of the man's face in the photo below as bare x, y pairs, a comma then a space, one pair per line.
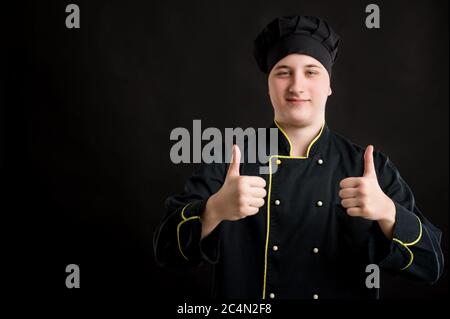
299, 86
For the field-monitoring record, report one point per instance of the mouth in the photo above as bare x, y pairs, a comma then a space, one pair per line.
297, 101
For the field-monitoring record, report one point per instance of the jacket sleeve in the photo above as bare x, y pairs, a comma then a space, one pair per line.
176, 241
415, 250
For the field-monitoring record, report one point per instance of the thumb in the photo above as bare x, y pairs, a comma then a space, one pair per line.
233, 169
369, 166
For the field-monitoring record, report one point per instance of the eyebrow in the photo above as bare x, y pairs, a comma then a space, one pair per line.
288, 67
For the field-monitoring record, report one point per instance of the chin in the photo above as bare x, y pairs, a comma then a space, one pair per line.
299, 118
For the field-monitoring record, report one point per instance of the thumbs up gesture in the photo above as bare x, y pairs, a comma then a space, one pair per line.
363, 197
239, 196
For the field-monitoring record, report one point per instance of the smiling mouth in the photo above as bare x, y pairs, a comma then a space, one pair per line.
298, 101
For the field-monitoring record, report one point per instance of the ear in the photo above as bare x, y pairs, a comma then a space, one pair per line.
330, 91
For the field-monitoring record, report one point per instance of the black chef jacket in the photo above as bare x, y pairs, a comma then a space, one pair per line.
301, 243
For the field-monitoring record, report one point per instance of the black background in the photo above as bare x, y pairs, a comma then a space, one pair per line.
88, 113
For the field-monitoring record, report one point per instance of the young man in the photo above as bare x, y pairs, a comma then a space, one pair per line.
331, 209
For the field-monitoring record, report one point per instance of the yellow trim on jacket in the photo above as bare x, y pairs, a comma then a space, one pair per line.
290, 144
270, 190
179, 225
405, 245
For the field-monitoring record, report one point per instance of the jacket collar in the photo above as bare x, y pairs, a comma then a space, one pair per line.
285, 145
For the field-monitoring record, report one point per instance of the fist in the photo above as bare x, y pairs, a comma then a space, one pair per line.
363, 196
240, 196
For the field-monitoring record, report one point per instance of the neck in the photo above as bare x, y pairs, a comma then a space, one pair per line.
301, 137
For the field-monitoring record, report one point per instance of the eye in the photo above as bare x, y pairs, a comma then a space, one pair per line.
283, 73
311, 73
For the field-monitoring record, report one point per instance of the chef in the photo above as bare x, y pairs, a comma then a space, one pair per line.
310, 228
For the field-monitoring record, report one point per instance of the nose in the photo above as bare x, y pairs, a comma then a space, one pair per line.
297, 84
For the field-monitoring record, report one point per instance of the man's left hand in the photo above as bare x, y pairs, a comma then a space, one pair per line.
363, 196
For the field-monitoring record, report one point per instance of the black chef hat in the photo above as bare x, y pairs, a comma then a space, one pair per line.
296, 34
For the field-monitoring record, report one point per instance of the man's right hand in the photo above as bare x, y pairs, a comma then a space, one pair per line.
239, 196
